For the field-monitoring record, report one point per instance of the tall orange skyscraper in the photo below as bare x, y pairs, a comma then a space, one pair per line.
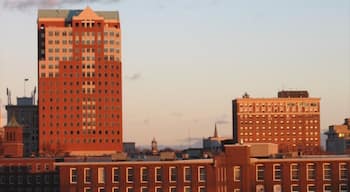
80, 85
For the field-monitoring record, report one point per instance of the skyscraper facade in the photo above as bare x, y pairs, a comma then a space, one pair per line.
80, 85
292, 120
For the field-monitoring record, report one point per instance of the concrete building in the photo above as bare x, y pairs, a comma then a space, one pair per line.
291, 120
26, 114
80, 84
338, 138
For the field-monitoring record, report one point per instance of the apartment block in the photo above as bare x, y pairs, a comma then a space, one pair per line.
292, 120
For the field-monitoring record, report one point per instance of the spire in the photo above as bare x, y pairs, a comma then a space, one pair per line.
215, 131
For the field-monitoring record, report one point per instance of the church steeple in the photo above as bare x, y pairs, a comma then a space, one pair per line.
215, 131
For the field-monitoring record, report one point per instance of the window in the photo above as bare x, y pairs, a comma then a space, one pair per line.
101, 189
237, 173
129, 189
294, 188
158, 189
158, 174
311, 171
129, 174
277, 172
115, 174
294, 172
144, 174
172, 189
144, 189
236, 190
327, 171
115, 189
260, 169
187, 189
101, 174
327, 188
343, 171
73, 175
187, 174
173, 174
311, 188
343, 188
201, 189
87, 189
202, 174
87, 175
277, 188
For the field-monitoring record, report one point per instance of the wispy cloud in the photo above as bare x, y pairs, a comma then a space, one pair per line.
134, 76
24, 4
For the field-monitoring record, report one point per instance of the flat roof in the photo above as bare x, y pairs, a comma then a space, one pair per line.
190, 161
68, 14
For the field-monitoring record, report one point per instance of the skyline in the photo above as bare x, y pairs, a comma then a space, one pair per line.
173, 91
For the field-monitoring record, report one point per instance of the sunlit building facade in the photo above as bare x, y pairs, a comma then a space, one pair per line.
80, 85
292, 120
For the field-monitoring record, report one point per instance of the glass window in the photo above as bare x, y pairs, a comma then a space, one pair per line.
172, 189
187, 174
101, 175
187, 189
294, 172
343, 188
144, 189
277, 172
101, 189
115, 174
202, 174
327, 171
311, 188
201, 189
144, 174
237, 173
129, 189
295, 188
173, 174
87, 175
277, 188
129, 174
87, 189
115, 189
73, 175
158, 174
260, 169
343, 171
327, 188
311, 171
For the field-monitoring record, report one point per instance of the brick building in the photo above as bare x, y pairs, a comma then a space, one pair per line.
238, 168
292, 120
80, 85
26, 114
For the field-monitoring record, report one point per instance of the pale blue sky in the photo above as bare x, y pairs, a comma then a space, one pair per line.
185, 60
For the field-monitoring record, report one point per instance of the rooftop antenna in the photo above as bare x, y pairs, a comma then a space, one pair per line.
24, 85
8, 93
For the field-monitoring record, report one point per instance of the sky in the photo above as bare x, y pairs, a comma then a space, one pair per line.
184, 61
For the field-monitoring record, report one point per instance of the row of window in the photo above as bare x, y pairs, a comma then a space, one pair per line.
309, 188
310, 172
19, 168
78, 58
29, 179
85, 33
147, 189
144, 174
